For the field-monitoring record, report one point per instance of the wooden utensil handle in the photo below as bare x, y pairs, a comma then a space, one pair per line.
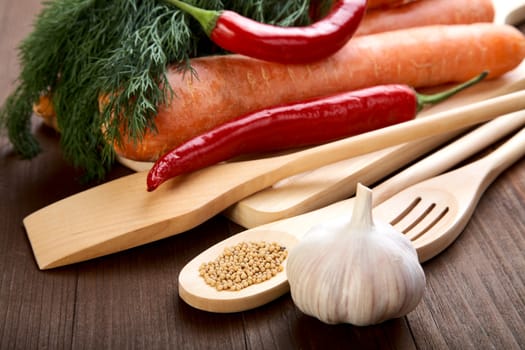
436, 124
450, 155
504, 156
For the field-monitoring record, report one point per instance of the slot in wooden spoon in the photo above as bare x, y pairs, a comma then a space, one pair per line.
121, 214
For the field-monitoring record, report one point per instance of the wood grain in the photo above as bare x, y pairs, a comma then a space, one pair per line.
475, 297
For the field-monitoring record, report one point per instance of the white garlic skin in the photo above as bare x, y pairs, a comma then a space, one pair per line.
362, 277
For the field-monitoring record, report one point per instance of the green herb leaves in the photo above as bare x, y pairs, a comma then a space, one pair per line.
82, 52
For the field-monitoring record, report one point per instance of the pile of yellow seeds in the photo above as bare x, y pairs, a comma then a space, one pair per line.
244, 264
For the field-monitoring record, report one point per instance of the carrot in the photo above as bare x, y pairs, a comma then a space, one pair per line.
228, 86
426, 12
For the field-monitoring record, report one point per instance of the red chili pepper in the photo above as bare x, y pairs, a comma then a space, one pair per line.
301, 124
242, 35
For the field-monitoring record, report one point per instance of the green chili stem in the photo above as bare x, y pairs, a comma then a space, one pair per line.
423, 100
206, 18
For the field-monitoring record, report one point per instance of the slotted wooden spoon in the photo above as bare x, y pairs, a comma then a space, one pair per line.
434, 212
121, 214
430, 235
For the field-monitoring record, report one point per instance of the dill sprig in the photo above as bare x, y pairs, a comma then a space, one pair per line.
81, 51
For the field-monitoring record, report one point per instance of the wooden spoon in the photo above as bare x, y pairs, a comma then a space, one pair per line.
121, 214
288, 232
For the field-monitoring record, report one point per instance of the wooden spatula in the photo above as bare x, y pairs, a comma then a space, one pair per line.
121, 214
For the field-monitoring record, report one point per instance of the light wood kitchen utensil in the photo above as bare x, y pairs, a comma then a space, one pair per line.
121, 214
331, 183
460, 199
434, 212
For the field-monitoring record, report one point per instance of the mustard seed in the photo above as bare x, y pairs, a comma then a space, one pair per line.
243, 265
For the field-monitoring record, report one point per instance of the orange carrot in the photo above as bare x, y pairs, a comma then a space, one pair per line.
426, 12
228, 86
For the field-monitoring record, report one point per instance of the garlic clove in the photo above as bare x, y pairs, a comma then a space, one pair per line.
356, 270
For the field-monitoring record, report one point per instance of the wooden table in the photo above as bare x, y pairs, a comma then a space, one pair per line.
475, 297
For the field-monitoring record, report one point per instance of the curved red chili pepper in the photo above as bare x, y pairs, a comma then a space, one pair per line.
293, 125
242, 35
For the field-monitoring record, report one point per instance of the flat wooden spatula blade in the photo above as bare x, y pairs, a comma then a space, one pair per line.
122, 214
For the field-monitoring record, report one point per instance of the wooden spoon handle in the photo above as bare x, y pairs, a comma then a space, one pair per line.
448, 156
379, 139
503, 157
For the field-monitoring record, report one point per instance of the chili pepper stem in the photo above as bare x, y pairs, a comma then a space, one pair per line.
206, 18
423, 100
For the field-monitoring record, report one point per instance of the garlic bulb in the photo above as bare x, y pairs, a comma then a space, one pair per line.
355, 270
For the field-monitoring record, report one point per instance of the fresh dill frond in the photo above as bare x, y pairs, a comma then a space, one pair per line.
82, 52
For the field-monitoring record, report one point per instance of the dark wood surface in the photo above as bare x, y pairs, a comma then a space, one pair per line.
475, 297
